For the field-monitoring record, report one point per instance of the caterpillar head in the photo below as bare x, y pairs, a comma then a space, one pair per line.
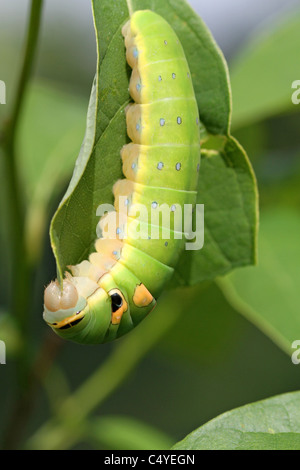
79, 309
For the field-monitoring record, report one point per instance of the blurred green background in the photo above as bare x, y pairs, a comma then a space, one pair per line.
232, 346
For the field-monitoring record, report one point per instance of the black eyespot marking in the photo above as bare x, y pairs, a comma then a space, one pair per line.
116, 302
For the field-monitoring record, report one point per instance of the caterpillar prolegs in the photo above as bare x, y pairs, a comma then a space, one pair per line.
110, 293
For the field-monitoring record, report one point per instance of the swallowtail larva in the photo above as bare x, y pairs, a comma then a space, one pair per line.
110, 293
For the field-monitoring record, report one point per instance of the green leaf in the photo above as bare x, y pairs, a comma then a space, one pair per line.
268, 294
126, 433
73, 228
51, 129
227, 189
272, 424
263, 73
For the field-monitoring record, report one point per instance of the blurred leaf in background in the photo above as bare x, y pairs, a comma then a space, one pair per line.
264, 118
268, 294
263, 72
51, 132
267, 123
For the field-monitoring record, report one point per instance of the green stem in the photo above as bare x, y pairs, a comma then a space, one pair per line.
28, 60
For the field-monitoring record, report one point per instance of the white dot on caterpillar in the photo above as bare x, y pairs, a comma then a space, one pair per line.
173, 75
188, 75
133, 166
135, 53
138, 127
173, 208
154, 205
179, 120
166, 42
115, 253
166, 243
160, 166
162, 122
178, 166
126, 202
159, 78
138, 87
198, 167
197, 121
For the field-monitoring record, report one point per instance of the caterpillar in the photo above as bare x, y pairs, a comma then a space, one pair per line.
106, 296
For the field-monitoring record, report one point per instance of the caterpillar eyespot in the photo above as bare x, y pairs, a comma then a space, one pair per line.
106, 296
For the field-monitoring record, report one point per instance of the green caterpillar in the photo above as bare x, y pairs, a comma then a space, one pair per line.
106, 296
